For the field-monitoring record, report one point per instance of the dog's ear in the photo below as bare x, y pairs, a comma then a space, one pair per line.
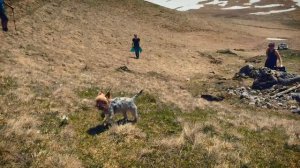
100, 92
108, 95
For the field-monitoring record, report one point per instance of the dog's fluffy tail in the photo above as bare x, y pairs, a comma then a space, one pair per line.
137, 95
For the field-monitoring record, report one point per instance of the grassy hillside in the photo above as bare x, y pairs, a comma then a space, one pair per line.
65, 51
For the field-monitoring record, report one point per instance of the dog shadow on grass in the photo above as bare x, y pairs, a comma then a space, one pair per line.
97, 130
102, 128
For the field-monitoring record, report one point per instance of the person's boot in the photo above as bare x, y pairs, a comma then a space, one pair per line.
136, 55
4, 25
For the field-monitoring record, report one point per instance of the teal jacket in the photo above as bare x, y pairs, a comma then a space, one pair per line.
2, 10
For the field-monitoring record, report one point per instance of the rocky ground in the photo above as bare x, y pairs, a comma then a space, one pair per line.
270, 88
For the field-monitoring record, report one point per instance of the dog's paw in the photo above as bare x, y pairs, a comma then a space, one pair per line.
107, 125
124, 121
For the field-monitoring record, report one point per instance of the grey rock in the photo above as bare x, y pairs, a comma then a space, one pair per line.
280, 104
245, 95
296, 96
242, 88
293, 107
252, 104
269, 105
231, 92
296, 111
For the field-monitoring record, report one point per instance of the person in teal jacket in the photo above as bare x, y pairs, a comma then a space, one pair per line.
136, 46
4, 18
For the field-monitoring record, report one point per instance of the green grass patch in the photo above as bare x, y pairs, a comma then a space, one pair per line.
50, 123
291, 60
266, 148
88, 93
199, 115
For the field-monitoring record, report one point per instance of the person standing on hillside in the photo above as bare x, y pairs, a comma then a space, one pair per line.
136, 46
4, 19
272, 57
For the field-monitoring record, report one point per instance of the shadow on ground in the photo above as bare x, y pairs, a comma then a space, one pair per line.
97, 130
102, 128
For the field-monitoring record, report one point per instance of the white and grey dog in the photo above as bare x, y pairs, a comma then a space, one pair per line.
122, 105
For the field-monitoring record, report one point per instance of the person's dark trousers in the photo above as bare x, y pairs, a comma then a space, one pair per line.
137, 52
4, 21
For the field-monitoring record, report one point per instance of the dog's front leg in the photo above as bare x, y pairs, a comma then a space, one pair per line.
111, 119
106, 119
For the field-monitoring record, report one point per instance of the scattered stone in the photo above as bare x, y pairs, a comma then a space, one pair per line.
124, 68
293, 107
231, 92
269, 105
245, 95
252, 99
296, 96
297, 111
64, 120
289, 97
252, 104
280, 104
253, 92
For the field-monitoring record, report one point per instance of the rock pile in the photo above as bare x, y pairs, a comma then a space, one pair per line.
265, 99
270, 89
265, 78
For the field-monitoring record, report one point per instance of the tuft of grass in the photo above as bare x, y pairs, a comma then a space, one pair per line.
40, 90
291, 59
157, 118
7, 83
88, 93
50, 123
210, 130
199, 115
